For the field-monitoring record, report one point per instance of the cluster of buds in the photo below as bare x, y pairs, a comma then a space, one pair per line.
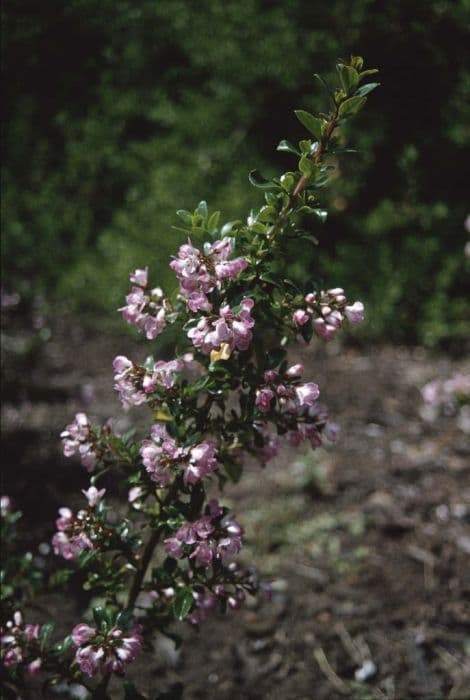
208, 600
20, 643
162, 457
286, 391
76, 533
79, 437
200, 273
221, 335
210, 538
327, 311
103, 652
146, 309
311, 426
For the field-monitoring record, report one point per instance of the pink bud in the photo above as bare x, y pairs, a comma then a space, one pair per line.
34, 666
295, 371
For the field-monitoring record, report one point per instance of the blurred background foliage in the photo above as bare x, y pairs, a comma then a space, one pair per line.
119, 112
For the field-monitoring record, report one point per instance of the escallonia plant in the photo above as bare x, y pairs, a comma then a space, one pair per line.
228, 395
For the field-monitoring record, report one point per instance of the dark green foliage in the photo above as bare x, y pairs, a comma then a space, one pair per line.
119, 113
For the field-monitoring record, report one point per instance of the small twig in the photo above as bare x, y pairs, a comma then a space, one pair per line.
350, 645
332, 676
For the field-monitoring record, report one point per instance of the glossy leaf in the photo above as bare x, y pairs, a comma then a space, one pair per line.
182, 603
311, 123
285, 145
366, 89
351, 106
45, 635
258, 180
348, 76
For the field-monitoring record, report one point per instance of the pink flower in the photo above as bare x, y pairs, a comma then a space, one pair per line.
34, 667
263, 399
355, 312
5, 506
174, 547
307, 394
135, 493
147, 310
323, 329
140, 277
232, 329
93, 496
208, 538
31, 632
300, 317
78, 437
202, 554
295, 371
13, 656
200, 273
82, 633
107, 652
332, 431
202, 462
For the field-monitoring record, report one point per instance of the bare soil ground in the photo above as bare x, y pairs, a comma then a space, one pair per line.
366, 543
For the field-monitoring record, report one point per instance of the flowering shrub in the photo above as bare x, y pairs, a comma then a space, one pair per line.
229, 393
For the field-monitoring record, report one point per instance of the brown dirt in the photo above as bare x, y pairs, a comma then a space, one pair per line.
367, 542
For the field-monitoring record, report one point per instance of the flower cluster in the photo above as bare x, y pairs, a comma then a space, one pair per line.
135, 383
209, 538
79, 437
161, 457
230, 330
77, 533
148, 310
103, 652
288, 394
200, 273
327, 311
19, 643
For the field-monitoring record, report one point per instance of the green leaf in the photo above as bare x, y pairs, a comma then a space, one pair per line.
348, 76
267, 214
202, 209
213, 221
369, 71
285, 145
325, 85
311, 123
305, 165
228, 227
351, 106
85, 557
44, 635
185, 216
182, 603
306, 146
104, 617
365, 89
258, 180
